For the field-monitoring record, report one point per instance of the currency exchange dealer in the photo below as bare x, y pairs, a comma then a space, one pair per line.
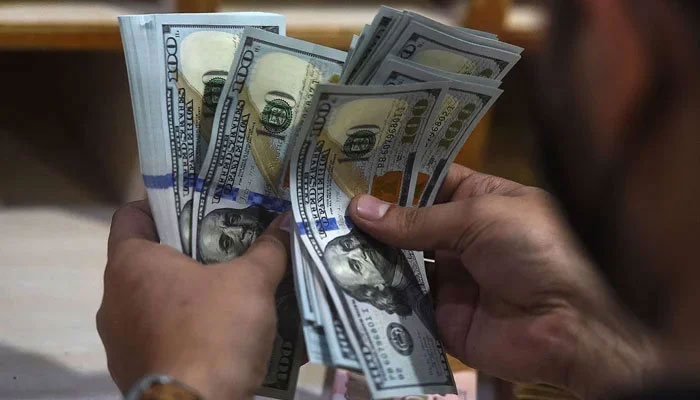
593, 288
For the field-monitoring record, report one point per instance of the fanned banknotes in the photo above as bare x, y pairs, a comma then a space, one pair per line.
358, 142
424, 41
177, 65
355, 135
464, 105
239, 191
263, 103
237, 123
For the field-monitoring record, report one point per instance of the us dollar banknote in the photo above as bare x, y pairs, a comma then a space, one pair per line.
325, 336
462, 108
188, 59
269, 88
371, 37
438, 49
341, 351
272, 82
355, 135
314, 335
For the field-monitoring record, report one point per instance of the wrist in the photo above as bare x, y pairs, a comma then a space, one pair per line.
212, 382
161, 387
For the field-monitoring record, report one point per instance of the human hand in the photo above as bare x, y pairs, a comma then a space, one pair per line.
515, 296
210, 327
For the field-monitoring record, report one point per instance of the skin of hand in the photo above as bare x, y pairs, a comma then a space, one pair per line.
211, 327
515, 295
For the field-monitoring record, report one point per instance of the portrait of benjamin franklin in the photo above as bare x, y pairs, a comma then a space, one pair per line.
227, 233
374, 273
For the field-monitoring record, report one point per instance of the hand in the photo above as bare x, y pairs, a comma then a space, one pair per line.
210, 327
515, 296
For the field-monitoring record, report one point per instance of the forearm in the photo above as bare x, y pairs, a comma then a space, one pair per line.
612, 357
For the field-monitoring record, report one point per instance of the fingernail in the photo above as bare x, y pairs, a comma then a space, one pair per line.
286, 223
371, 208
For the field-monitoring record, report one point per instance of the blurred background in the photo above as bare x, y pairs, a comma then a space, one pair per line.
68, 158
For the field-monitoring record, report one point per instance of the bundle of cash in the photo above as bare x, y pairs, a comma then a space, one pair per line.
177, 66
237, 123
413, 91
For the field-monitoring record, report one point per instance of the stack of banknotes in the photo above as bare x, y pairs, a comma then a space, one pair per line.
238, 123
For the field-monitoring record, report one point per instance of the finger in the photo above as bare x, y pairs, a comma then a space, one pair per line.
462, 182
269, 252
441, 226
132, 221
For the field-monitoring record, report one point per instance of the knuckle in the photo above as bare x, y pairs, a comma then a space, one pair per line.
491, 184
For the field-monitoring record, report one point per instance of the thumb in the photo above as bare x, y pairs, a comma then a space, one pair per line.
442, 226
269, 253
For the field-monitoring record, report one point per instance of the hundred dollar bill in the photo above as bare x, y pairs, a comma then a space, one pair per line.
188, 57
314, 336
138, 51
385, 30
371, 37
443, 75
463, 107
267, 93
470, 35
341, 351
316, 344
325, 337
431, 47
269, 89
376, 39
375, 138
355, 135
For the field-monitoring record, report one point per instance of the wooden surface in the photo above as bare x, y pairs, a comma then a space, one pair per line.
60, 26
60, 37
91, 26
196, 6
487, 15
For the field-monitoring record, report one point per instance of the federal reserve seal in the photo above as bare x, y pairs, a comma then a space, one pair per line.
359, 143
276, 116
399, 338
